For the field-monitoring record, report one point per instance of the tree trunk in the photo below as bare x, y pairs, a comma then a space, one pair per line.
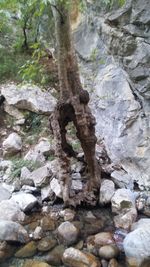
72, 107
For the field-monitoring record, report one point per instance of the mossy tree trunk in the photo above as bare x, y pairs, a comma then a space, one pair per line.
72, 107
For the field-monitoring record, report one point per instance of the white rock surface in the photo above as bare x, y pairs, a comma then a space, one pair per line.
41, 176
137, 243
107, 190
56, 188
13, 144
4, 193
12, 231
29, 97
25, 201
10, 210
123, 199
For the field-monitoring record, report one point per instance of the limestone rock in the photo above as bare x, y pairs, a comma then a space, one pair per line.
75, 258
56, 188
12, 231
44, 147
10, 210
29, 97
107, 190
34, 155
4, 193
125, 219
68, 233
41, 176
123, 199
12, 145
25, 201
136, 243
122, 179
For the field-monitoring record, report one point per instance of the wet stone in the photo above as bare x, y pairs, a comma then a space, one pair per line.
46, 243
108, 252
28, 250
68, 233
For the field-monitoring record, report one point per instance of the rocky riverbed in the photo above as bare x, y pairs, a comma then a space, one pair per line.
35, 228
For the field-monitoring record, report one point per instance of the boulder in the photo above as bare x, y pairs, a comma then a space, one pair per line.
27, 250
4, 193
125, 219
12, 145
25, 201
44, 147
10, 210
122, 179
55, 187
123, 199
75, 258
41, 176
68, 233
46, 244
12, 231
35, 156
29, 97
108, 252
136, 243
107, 190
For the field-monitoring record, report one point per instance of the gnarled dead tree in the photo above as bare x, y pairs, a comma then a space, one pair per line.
72, 107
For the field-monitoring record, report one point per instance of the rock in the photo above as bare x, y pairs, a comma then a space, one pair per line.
29, 97
8, 187
4, 193
25, 173
125, 219
75, 258
103, 238
35, 263
108, 252
68, 233
123, 199
54, 257
76, 185
38, 233
25, 201
12, 231
10, 210
107, 190
67, 214
46, 193
142, 223
122, 179
113, 263
47, 223
44, 147
13, 111
136, 243
28, 250
56, 188
6, 251
41, 176
35, 156
12, 145
29, 189
46, 243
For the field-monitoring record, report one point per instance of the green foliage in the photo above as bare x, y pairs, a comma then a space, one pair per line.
10, 64
18, 164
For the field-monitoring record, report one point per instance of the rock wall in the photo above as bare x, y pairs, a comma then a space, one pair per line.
115, 53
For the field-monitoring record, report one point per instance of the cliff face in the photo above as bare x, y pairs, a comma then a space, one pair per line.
115, 53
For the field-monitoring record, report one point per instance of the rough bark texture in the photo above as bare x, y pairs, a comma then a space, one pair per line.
72, 107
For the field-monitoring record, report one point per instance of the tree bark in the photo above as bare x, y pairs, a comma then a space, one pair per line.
72, 107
